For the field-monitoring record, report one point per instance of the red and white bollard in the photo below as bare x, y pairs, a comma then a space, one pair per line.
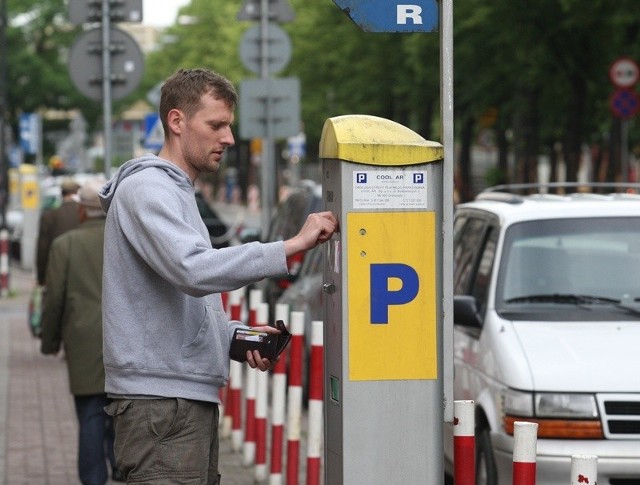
4, 263
316, 378
584, 470
464, 442
294, 398
249, 445
525, 436
234, 391
262, 404
232, 394
278, 399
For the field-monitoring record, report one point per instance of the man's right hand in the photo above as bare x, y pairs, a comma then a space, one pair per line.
318, 228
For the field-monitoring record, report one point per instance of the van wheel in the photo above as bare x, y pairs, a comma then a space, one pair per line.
485, 463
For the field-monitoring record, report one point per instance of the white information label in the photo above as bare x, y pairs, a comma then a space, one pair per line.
390, 189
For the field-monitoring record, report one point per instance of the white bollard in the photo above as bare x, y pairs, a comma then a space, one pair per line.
584, 469
525, 443
262, 403
278, 399
316, 422
294, 397
464, 442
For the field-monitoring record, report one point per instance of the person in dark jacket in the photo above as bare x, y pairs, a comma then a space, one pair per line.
55, 222
72, 318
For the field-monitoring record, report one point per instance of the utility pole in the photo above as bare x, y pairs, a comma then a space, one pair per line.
4, 162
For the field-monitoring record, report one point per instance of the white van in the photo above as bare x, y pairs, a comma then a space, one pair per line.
547, 330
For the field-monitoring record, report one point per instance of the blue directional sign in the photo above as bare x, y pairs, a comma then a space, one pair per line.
392, 15
30, 132
153, 132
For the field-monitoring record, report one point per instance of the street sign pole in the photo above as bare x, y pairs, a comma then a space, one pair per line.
624, 74
446, 113
106, 86
91, 61
268, 149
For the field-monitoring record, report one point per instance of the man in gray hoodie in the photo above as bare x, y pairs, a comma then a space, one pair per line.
166, 334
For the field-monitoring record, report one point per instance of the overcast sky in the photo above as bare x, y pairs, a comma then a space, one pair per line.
161, 12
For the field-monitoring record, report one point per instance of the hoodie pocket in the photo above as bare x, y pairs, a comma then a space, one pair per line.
205, 353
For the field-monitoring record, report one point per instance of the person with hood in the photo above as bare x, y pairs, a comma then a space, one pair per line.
166, 334
72, 318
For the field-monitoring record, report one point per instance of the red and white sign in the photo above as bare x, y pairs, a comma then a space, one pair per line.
624, 73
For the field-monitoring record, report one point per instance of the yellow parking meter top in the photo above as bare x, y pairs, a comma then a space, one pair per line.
375, 141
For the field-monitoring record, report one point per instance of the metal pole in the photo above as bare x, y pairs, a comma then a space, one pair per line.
4, 162
446, 110
624, 149
268, 151
106, 85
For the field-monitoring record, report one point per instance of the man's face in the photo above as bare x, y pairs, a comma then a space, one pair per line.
207, 134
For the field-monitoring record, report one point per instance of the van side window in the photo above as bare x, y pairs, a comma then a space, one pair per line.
480, 285
467, 244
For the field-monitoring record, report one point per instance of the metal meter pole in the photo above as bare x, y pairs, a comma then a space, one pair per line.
106, 85
446, 108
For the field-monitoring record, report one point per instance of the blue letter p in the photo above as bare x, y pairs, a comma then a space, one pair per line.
381, 297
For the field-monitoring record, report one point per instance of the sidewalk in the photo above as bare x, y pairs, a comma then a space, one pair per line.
38, 428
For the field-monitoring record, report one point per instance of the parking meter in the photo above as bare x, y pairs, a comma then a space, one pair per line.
382, 303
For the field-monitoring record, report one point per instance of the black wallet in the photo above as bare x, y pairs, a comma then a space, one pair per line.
270, 345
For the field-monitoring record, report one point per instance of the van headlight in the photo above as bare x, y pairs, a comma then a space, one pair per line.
559, 415
572, 406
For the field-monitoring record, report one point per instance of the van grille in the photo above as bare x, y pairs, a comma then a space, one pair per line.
620, 415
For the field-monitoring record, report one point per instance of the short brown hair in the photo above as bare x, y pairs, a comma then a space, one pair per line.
183, 90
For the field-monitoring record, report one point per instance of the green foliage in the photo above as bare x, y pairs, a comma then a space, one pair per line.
541, 66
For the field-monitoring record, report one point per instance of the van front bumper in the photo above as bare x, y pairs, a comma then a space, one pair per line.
617, 459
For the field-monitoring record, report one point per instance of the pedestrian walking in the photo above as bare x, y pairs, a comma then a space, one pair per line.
55, 222
166, 334
72, 319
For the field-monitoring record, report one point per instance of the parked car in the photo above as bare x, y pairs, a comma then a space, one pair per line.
219, 233
546, 330
289, 217
305, 295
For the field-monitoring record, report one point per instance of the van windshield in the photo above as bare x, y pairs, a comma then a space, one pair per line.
558, 265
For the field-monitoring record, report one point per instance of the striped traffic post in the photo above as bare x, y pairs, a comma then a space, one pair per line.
278, 398
231, 306
584, 470
234, 393
464, 443
262, 399
525, 437
249, 445
294, 397
316, 378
